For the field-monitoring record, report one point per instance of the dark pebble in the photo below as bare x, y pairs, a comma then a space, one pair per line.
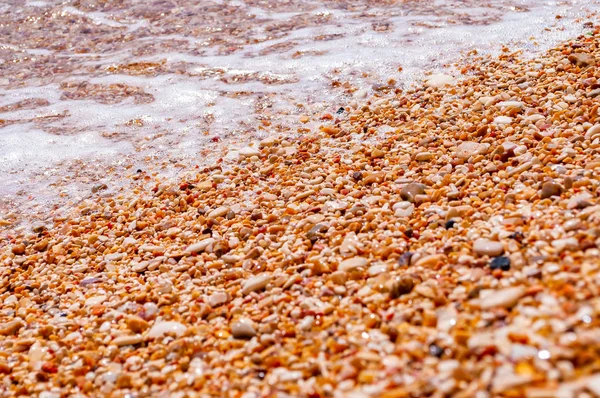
314, 233
357, 175
516, 236
401, 286
500, 262
341, 110
435, 350
450, 224
404, 259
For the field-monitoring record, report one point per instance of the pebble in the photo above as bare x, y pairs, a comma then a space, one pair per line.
18, 249
424, 156
470, 148
128, 340
353, 263
510, 104
405, 212
256, 283
219, 212
10, 328
503, 119
349, 245
375, 177
248, 151
218, 298
439, 80
137, 324
401, 286
579, 201
200, 246
550, 188
485, 247
500, 262
565, 244
582, 59
506, 298
160, 328
95, 300
592, 132
306, 323
243, 329
410, 191
429, 260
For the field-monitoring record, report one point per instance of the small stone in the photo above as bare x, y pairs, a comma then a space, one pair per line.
401, 286
374, 178
41, 245
205, 185
439, 80
256, 283
582, 59
306, 323
510, 104
506, 298
404, 259
436, 351
219, 212
500, 262
161, 328
339, 277
565, 244
243, 329
592, 132
579, 201
503, 119
248, 151
99, 187
357, 176
550, 188
485, 247
404, 212
429, 260
128, 340
410, 191
450, 224
349, 245
18, 250
123, 381
217, 299
315, 232
200, 246
424, 156
39, 228
12, 327
352, 263
377, 153
469, 148
95, 300
137, 324
594, 93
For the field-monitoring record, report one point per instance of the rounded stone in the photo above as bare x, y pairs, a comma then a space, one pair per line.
485, 247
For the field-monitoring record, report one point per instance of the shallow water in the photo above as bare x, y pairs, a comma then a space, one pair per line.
91, 91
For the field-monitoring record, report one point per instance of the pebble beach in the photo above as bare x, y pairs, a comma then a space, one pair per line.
433, 239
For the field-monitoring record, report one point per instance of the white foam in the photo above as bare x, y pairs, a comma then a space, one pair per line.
189, 108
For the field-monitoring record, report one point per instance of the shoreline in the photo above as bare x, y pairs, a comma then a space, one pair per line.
454, 252
70, 114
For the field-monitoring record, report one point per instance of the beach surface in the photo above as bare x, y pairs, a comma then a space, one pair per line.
237, 199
